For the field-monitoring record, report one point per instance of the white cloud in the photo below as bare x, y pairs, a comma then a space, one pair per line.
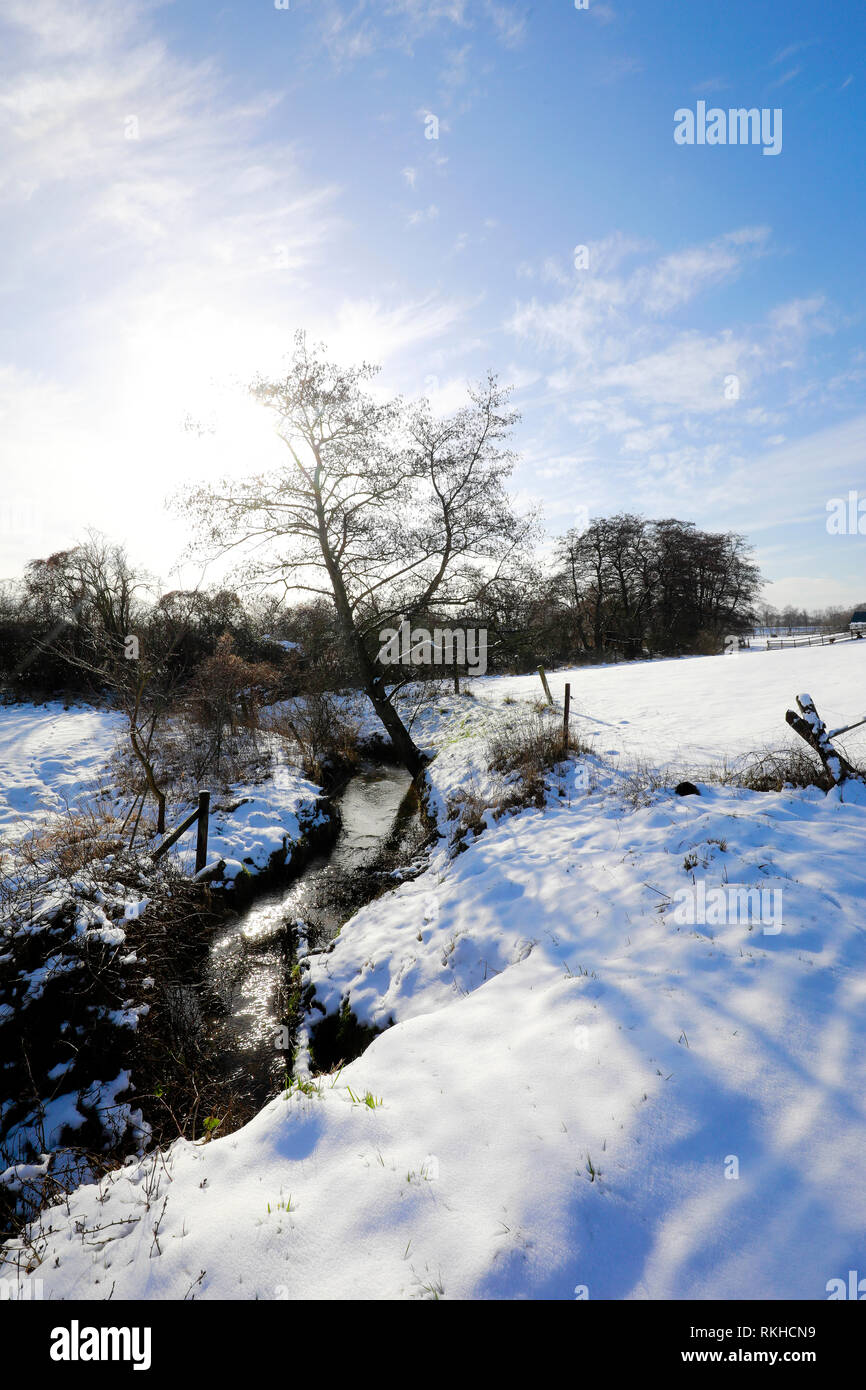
676, 279
355, 29
428, 214
604, 14
687, 375
457, 71
647, 441
367, 329
599, 299
509, 22
798, 316
65, 27
666, 411
791, 49
785, 78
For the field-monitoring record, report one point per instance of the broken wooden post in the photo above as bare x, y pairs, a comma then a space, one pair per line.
810, 726
565, 714
200, 814
546, 686
201, 841
174, 836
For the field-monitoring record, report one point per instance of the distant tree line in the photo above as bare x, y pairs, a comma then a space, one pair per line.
656, 587
623, 587
830, 619
65, 626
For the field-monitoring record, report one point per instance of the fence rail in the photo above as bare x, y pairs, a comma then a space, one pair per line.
200, 814
825, 639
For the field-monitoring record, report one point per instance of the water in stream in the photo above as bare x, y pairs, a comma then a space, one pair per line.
251, 958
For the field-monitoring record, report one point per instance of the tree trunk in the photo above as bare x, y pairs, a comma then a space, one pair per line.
142, 756
410, 756
151, 782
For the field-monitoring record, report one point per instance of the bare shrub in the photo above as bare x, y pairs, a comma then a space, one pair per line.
68, 985
61, 846
185, 759
224, 697
766, 770
523, 752
642, 781
211, 732
425, 693
102, 971
188, 761
325, 734
526, 749
466, 810
774, 769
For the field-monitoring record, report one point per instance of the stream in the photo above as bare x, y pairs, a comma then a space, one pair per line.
251, 972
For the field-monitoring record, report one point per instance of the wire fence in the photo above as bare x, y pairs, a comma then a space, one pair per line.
823, 639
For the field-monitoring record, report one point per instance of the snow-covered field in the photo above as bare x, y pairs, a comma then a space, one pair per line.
50, 758
698, 711
628, 1056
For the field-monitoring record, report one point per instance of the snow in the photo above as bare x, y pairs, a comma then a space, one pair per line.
253, 826
51, 758
697, 712
584, 1086
250, 826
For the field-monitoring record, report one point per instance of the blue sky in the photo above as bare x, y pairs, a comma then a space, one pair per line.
185, 184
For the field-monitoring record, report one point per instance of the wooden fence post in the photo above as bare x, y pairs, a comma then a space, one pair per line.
546, 686
566, 711
201, 840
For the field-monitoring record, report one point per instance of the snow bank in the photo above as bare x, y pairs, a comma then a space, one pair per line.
55, 759
254, 827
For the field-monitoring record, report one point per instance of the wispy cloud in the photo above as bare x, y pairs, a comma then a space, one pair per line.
355, 29
639, 386
677, 278
428, 214
603, 13
598, 296
790, 49
785, 78
509, 22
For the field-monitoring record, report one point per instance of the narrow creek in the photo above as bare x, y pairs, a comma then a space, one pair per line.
252, 967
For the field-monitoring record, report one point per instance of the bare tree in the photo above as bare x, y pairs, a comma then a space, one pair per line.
629, 582
387, 510
94, 594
